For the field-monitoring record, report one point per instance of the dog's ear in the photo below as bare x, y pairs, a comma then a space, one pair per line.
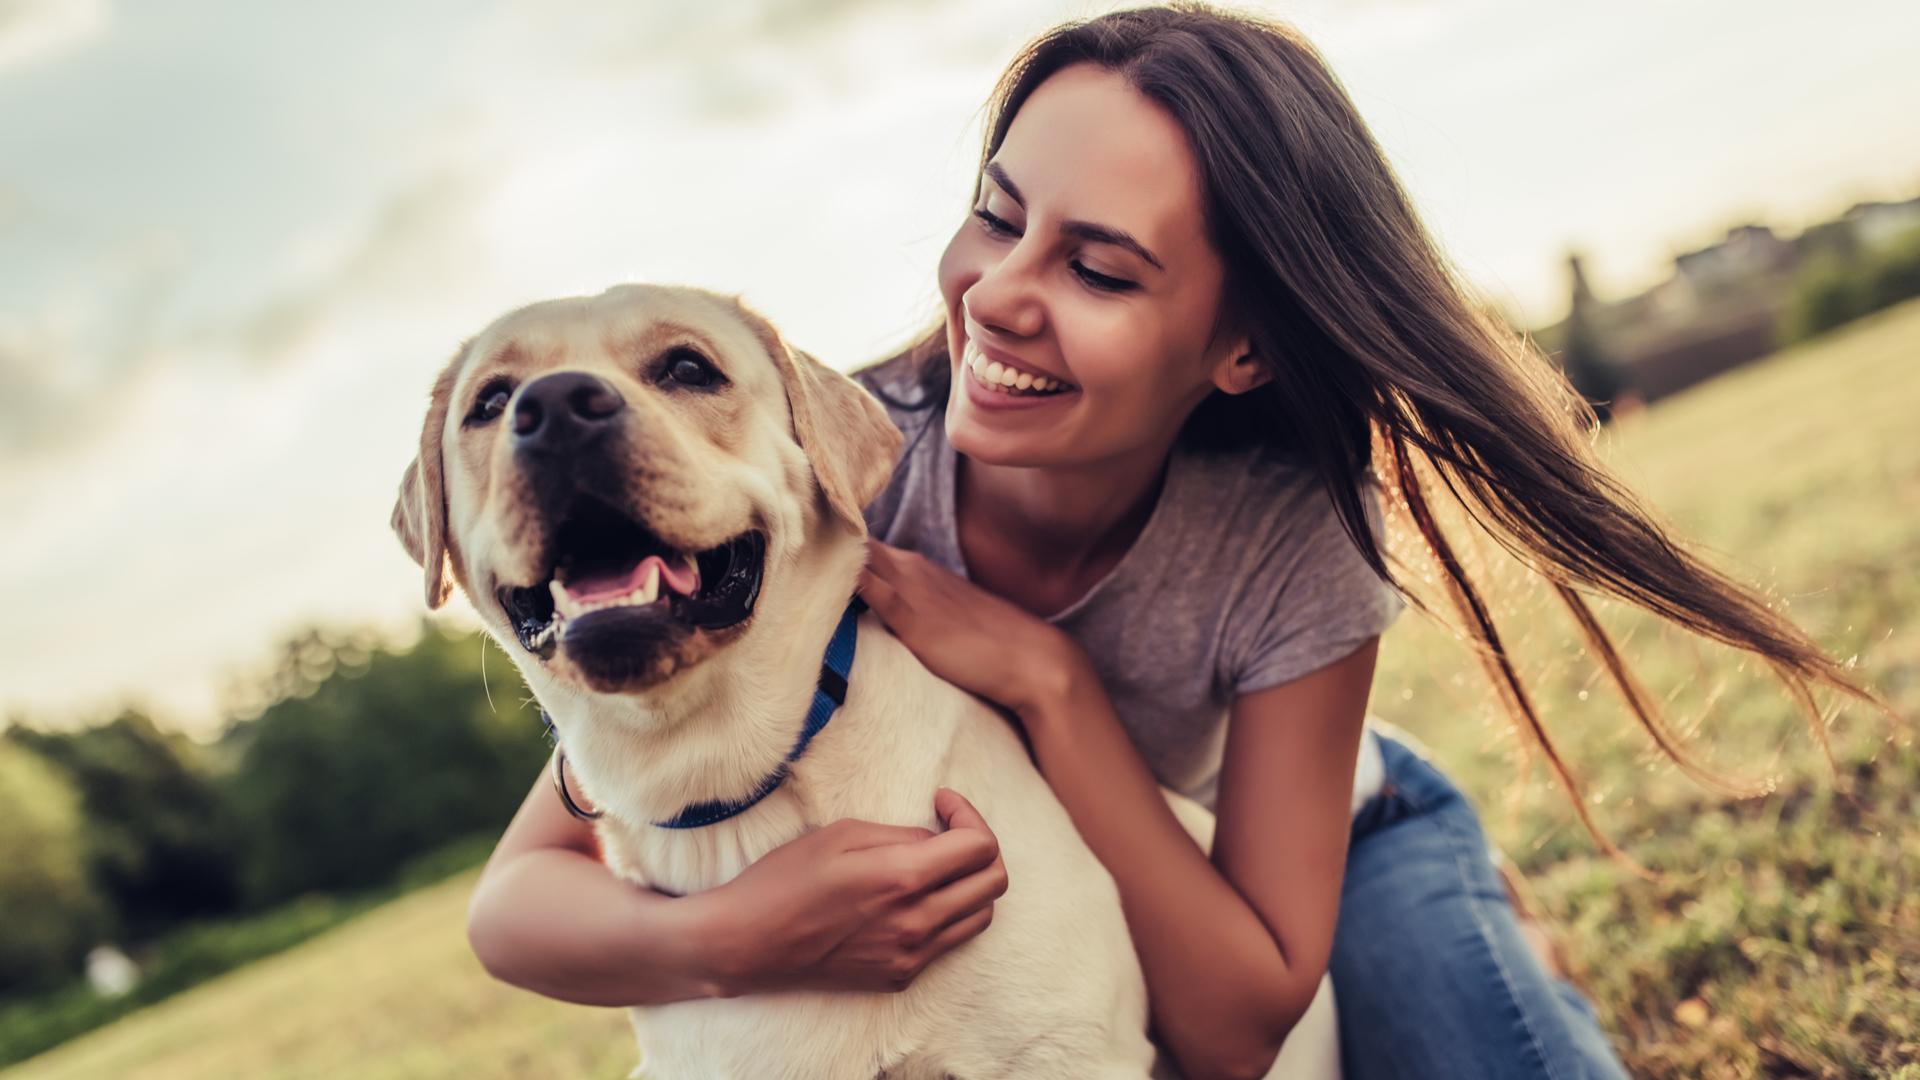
850, 440
420, 513
847, 435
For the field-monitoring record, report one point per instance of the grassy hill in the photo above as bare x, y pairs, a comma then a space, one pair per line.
1780, 937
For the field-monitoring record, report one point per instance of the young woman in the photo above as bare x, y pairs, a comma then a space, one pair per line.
1190, 306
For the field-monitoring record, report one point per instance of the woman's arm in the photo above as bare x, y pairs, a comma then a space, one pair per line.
1234, 949
855, 905
548, 916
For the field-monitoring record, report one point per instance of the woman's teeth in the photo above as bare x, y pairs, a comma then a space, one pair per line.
1007, 380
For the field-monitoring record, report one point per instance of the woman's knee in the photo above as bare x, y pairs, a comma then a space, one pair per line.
1433, 976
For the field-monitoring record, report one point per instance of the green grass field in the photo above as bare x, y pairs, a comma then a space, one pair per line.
1780, 936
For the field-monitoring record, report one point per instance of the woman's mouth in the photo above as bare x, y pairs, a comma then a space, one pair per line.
1011, 380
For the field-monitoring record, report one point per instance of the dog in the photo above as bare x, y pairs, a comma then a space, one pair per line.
654, 503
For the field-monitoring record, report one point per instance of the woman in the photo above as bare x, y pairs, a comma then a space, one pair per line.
1190, 301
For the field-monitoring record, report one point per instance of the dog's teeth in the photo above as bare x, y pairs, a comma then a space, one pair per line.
562, 602
649, 589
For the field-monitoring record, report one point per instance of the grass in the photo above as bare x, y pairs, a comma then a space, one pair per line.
1779, 936
203, 950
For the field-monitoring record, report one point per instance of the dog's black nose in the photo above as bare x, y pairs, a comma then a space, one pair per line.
563, 410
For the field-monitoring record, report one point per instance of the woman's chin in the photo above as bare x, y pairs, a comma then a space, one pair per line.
993, 440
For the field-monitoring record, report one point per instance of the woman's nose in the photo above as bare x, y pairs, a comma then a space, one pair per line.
1006, 298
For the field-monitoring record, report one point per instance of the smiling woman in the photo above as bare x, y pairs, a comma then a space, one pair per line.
1180, 216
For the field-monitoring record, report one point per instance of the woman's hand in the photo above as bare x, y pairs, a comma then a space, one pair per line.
858, 905
965, 634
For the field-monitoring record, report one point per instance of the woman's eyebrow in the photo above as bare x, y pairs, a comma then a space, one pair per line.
1086, 230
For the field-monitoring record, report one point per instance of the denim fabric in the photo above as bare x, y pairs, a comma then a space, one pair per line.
1432, 975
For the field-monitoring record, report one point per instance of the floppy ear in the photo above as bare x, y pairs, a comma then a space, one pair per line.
847, 435
420, 513
849, 439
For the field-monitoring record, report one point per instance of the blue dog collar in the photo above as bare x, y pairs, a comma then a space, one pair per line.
828, 695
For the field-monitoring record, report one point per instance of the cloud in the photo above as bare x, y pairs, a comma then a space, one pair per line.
420, 240
40, 30
73, 362
741, 61
70, 363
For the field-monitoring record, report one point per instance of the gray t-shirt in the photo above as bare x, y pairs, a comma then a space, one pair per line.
1241, 579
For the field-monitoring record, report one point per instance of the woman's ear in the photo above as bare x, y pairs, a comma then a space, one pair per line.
1239, 368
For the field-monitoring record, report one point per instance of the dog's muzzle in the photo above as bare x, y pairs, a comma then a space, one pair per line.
610, 583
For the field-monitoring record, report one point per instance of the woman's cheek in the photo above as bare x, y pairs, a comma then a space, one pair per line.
1107, 356
958, 269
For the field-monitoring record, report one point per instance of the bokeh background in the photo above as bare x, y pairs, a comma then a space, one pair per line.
244, 785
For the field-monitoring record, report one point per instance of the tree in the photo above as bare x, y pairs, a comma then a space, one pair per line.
373, 758
48, 907
159, 846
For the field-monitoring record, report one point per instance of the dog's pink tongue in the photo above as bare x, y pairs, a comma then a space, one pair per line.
592, 587
683, 579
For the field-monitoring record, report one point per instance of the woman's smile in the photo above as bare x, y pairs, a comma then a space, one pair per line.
996, 380
1000, 369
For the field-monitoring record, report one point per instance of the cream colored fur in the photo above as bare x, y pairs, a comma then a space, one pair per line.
1052, 988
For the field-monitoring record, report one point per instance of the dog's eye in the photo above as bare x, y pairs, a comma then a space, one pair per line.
491, 403
689, 368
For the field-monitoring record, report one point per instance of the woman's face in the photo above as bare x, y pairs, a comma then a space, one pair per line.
1085, 264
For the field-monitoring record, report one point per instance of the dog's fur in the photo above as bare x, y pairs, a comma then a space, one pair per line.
794, 450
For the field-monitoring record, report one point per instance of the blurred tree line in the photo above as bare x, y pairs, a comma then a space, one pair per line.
1841, 280
360, 758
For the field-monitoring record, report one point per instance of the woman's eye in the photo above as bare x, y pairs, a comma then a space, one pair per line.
490, 404
691, 369
1102, 281
994, 224
998, 227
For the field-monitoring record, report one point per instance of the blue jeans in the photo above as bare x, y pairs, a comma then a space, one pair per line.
1431, 974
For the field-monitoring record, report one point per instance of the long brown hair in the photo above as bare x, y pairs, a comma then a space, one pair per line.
1375, 351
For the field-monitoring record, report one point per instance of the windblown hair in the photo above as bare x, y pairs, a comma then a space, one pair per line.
1375, 351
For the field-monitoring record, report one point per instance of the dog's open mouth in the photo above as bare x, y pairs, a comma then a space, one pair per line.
609, 570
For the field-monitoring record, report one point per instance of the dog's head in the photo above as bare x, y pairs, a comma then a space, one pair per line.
611, 479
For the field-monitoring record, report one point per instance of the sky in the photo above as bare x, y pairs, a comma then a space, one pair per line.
238, 239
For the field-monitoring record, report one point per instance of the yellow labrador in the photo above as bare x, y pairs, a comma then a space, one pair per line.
655, 506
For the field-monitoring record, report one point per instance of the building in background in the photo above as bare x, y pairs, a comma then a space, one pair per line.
1730, 302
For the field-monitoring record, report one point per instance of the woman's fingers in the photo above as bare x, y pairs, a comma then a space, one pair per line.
953, 934
957, 812
964, 897
882, 561
857, 835
879, 594
909, 869
900, 871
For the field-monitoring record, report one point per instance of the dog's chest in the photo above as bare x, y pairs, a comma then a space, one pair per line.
858, 767
682, 861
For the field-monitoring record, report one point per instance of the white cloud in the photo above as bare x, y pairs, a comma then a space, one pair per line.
39, 30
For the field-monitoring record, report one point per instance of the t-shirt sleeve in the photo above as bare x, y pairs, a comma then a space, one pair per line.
1310, 599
